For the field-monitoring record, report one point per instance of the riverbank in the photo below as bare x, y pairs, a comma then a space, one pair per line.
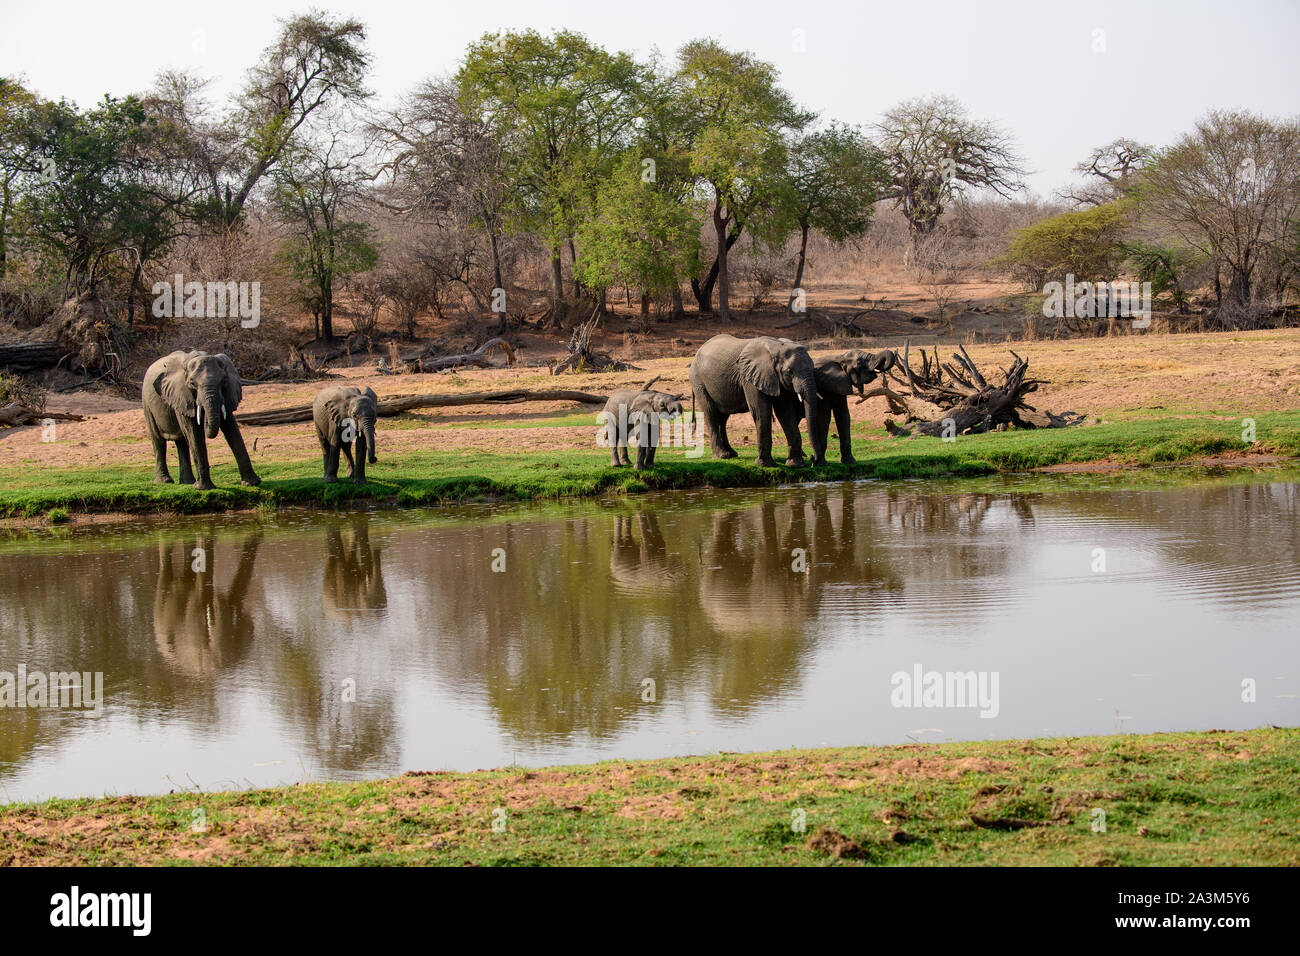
1202, 799
423, 476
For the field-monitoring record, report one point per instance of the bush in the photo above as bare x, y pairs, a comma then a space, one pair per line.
1087, 244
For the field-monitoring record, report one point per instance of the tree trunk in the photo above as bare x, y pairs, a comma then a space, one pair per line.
327, 314
678, 309
803, 258
703, 292
645, 302
573, 262
557, 283
724, 280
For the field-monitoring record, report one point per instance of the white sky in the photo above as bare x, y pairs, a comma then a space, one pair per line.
1029, 65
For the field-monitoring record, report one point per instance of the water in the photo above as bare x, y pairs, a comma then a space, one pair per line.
363, 645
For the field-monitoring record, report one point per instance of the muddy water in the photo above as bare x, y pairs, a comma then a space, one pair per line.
340, 647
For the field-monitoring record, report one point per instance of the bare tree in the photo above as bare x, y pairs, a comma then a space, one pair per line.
1112, 172
932, 150
1231, 190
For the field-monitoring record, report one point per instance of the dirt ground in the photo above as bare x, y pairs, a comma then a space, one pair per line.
1126, 376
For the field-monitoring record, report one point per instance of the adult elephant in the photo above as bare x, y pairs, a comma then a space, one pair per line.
189, 397
762, 376
344, 414
838, 377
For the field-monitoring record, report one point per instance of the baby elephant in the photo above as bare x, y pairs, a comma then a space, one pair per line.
838, 377
630, 410
344, 414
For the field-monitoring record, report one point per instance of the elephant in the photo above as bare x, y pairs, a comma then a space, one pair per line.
641, 410
336, 411
180, 391
354, 576
838, 377
197, 628
762, 376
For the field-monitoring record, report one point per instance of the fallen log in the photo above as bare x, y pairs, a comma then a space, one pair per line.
15, 414
33, 356
405, 403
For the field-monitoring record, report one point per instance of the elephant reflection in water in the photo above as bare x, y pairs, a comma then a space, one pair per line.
640, 562
354, 577
750, 580
197, 628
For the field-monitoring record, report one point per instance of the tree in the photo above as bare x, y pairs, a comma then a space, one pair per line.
558, 106
833, 177
446, 162
1112, 172
1086, 243
643, 236
933, 149
316, 64
316, 187
22, 117
1231, 190
738, 153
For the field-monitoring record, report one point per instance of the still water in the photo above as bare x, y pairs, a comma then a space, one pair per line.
362, 645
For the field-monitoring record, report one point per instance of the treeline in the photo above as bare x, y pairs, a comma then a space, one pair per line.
613, 174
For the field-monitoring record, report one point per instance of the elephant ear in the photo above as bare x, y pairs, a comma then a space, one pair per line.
231, 390
174, 387
369, 393
758, 367
833, 379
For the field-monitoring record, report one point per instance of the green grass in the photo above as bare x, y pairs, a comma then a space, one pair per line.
435, 476
1212, 798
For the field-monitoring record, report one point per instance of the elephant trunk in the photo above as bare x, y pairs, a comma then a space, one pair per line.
808, 392
209, 412
369, 431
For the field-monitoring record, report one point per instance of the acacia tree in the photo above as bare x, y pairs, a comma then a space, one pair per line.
833, 178
1231, 190
558, 106
738, 152
933, 149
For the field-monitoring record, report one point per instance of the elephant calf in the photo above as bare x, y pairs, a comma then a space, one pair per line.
186, 396
838, 377
344, 415
642, 410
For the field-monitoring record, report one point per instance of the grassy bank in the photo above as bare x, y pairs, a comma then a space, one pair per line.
1210, 798
432, 476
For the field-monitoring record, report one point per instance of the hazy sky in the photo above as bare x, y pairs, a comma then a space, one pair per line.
1030, 65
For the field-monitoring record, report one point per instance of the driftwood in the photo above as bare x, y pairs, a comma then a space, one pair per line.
14, 414
955, 398
424, 361
404, 403
581, 354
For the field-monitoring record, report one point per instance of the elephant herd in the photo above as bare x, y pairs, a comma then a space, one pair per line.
191, 396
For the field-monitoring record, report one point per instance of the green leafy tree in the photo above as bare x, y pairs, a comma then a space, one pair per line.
644, 236
738, 150
1087, 243
559, 107
833, 178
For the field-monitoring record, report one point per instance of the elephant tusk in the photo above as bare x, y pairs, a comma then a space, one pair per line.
198, 414
223, 413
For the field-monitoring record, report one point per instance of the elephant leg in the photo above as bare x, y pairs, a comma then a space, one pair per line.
788, 415
650, 456
614, 450
199, 452
161, 474
230, 428
332, 463
843, 425
761, 409
359, 470
715, 424
352, 465
642, 457
183, 453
